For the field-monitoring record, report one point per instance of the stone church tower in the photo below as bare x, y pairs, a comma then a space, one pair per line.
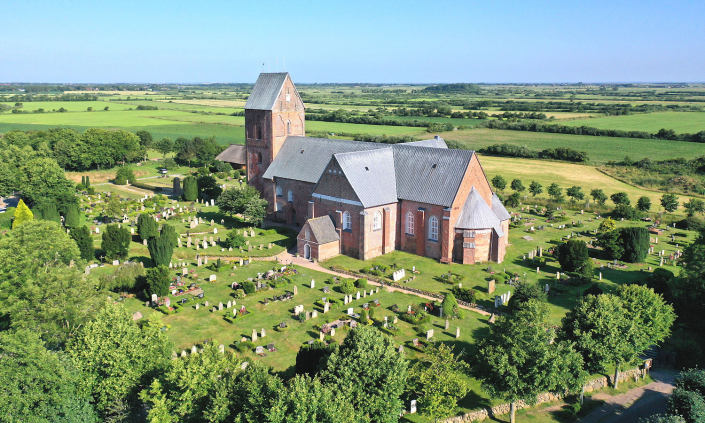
274, 110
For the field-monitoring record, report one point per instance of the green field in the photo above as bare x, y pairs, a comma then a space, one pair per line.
599, 149
681, 122
71, 106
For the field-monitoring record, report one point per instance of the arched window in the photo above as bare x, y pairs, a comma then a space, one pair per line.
288, 127
279, 191
347, 221
377, 221
409, 223
433, 228
307, 235
259, 158
258, 132
290, 196
279, 207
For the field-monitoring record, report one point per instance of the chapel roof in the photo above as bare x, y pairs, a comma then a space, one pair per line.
323, 229
476, 214
235, 153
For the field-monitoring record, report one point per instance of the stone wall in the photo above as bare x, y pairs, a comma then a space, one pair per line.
498, 410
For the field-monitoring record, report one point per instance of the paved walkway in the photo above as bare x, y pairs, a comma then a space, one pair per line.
636, 403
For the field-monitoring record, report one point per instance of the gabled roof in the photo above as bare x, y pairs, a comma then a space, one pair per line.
323, 229
371, 174
435, 142
429, 175
266, 90
476, 214
305, 158
498, 208
235, 153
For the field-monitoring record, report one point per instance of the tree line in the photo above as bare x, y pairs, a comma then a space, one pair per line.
510, 150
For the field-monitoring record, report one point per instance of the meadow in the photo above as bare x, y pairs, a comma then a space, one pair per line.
681, 122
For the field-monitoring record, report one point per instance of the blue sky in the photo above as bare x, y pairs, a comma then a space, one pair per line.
360, 41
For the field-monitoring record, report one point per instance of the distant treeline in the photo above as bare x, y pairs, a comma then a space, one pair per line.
346, 116
28, 98
381, 139
532, 126
454, 88
560, 153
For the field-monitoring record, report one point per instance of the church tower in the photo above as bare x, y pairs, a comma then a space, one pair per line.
274, 110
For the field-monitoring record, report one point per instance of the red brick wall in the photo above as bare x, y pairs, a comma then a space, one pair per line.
302, 194
419, 243
349, 239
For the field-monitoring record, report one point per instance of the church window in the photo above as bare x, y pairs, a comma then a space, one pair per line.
307, 235
279, 207
377, 221
288, 97
288, 127
433, 228
290, 196
409, 223
279, 191
258, 131
347, 221
259, 158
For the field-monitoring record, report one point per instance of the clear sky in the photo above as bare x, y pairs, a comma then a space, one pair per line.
353, 41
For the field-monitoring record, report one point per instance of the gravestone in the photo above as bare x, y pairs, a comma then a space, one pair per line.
194, 350
263, 333
229, 304
332, 332
358, 295
259, 350
351, 311
412, 407
313, 283
314, 314
197, 306
492, 318
296, 290
447, 324
137, 316
212, 278
491, 286
326, 307
220, 306
396, 319
184, 272
457, 332
254, 335
322, 336
221, 348
401, 349
206, 304
429, 334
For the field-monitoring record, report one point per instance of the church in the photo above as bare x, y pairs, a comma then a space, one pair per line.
365, 199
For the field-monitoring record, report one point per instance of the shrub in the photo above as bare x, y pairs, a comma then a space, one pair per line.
116, 242
525, 291
244, 346
687, 404
190, 189
147, 227
626, 212
84, 240
235, 239
573, 257
451, 308
361, 283
464, 294
158, 281
124, 175
126, 277
248, 287
347, 286
169, 164
692, 380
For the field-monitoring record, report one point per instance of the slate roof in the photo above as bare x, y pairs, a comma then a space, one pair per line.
371, 174
266, 90
305, 158
235, 153
323, 229
430, 175
476, 214
426, 171
498, 208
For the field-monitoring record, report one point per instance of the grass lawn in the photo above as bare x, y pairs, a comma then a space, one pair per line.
680, 122
600, 149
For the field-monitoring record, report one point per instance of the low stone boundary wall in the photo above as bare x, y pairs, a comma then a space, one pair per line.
498, 410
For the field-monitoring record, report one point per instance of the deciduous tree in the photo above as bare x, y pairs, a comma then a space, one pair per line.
620, 198
643, 204
535, 188
669, 202
517, 186
598, 196
499, 183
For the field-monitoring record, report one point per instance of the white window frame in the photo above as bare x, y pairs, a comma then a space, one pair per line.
409, 223
278, 206
377, 221
290, 196
347, 221
433, 228
279, 191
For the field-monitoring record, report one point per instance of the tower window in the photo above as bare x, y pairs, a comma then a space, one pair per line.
259, 158
279, 191
288, 126
290, 196
258, 132
288, 97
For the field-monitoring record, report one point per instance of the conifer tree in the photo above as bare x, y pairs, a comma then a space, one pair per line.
22, 214
71, 218
82, 236
146, 226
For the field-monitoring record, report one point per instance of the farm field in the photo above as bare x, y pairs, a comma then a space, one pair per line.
71, 106
681, 122
565, 175
599, 149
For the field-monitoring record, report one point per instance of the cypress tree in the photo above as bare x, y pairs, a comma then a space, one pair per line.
116, 242
88, 181
71, 218
83, 180
146, 226
190, 188
170, 234
22, 214
635, 241
47, 211
160, 249
82, 236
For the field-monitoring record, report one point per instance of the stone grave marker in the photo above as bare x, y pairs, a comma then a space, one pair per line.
457, 332
254, 335
259, 350
429, 334
447, 324
314, 314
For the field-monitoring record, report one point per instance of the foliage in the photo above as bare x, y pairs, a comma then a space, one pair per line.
22, 214
464, 294
39, 385
361, 283
124, 175
309, 400
126, 277
499, 183
611, 244
513, 200
245, 201
161, 247
84, 241
625, 211
42, 179
635, 242
308, 359
620, 198
46, 210
521, 360
147, 227
347, 286
376, 393
517, 186
691, 380
555, 192
525, 291
116, 242
158, 280
688, 404
643, 204
190, 189
607, 225
248, 287
164, 146
535, 188
116, 373
208, 187
450, 307
71, 218
663, 418
575, 193
437, 381
39, 290
669, 202
573, 257
235, 239
598, 196
694, 206
113, 207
